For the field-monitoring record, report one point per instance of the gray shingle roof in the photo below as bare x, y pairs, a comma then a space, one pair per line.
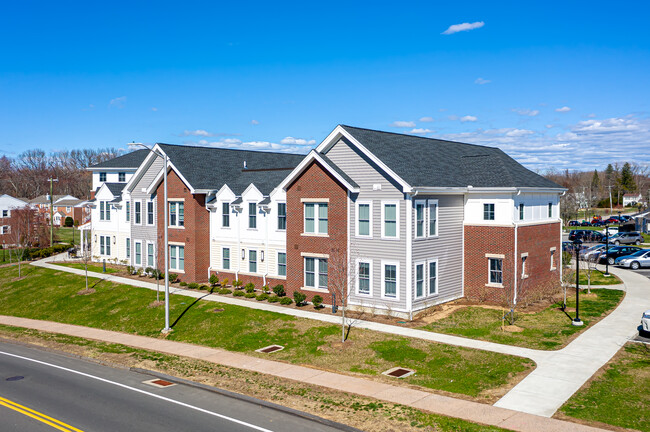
265, 201
129, 160
210, 168
68, 202
116, 189
437, 163
42, 199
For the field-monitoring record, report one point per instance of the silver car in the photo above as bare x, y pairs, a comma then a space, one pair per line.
636, 260
645, 321
626, 238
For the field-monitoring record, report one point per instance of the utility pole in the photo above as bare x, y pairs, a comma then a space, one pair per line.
51, 180
611, 210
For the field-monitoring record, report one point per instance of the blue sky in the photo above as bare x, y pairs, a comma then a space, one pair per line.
556, 85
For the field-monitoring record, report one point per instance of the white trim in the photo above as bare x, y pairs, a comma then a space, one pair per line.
317, 206
553, 252
495, 284
135, 254
154, 254
429, 261
177, 246
437, 234
136, 176
356, 282
397, 218
317, 261
409, 252
133, 216
424, 280
384, 263
312, 289
171, 243
147, 212
314, 235
501, 256
423, 203
314, 255
277, 263
356, 221
315, 156
314, 200
154, 185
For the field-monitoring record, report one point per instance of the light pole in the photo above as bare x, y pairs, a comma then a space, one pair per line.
576, 245
606, 250
51, 180
167, 329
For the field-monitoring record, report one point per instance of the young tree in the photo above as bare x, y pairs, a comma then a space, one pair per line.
27, 228
341, 276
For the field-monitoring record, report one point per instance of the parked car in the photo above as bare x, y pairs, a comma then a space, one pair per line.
574, 223
612, 220
585, 223
615, 252
591, 252
632, 237
645, 322
597, 223
585, 235
636, 260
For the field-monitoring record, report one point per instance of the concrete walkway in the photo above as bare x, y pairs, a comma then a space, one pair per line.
458, 408
564, 371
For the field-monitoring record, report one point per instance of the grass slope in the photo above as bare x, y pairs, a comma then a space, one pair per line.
52, 295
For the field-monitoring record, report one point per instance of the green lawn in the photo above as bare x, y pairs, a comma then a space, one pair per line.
597, 278
6, 254
65, 235
91, 267
621, 395
548, 329
124, 308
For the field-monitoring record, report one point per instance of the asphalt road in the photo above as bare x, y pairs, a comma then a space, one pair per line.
44, 391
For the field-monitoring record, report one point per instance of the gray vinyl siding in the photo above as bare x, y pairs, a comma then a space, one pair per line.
145, 233
446, 248
366, 174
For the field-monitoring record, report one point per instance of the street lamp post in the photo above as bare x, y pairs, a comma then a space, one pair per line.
167, 329
606, 250
576, 245
51, 180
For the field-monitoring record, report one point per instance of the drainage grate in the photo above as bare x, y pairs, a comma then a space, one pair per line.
15, 378
399, 372
160, 383
270, 349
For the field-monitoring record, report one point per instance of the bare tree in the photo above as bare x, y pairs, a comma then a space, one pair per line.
27, 228
341, 277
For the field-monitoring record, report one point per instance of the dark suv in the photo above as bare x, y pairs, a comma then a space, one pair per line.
585, 235
615, 252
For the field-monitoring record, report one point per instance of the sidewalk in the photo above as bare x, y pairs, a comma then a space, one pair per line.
561, 374
443, 405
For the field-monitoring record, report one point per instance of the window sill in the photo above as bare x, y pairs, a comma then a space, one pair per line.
390, 238
314, 235
394, 299
176, 227
494, 285
359, 236
174, 271
525, 276
319, 290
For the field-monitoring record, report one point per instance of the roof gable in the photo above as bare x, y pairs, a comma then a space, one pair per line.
128, 161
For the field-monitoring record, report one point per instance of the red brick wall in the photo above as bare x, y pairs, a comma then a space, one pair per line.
315, 182
537, 240
195, 235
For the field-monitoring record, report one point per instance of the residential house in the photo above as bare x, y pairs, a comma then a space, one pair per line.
631, 199
7, 204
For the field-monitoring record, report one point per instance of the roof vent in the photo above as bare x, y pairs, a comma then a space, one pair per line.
245, 167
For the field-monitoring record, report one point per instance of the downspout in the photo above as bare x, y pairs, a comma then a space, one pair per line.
514, 298
266, 248
409, 252
207, 198
238, 246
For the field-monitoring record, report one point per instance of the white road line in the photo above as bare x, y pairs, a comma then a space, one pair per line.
252, 426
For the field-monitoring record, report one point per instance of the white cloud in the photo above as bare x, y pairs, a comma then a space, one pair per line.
453, 117
526, 112
481, 81
118, 102
463, 27
197, 132
403, 124
426, 119
254, 122
154, 109
563, 109
297, 141
420, 131
468, 118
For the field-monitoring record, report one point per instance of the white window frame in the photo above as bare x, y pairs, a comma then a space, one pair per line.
127, 208
521, 209
383, 220
494, 211
178, 248
369, 204
128, 247
550, 210
68, 209
423, 204
278, 263
317, 286
253, 251
370, 283
153, 213
524, 259
5, 213
225, 216
107, 245
285, 216
424, 279
252, 216
4, 229
553, 252
384, 263
153, 255
489, 272
121, 177
103, 174
428, 283
106, 212
137, 214
223, 258
317, 220
177, 211
135, 253
428, 223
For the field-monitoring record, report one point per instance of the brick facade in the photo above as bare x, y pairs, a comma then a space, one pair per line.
536, 240
315, 182
195, 235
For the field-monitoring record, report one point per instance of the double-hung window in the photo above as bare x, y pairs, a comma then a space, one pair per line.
364, 278
102, 176
128, 211
252, 215
389, 280
282, 263
316, 272
419, 219
433, 277
225, 215
496, 270
104, 245
128, 248
102, 249
316, 218
176, 213
433, 218
550, 210
521, 211
488, 211
225, 258
150, 213
104, 211
5, 213
177, 257
138, 212
138, 253
364, 225
252, 261
121, 177
150, 250
419, 280
282, 216
389, 222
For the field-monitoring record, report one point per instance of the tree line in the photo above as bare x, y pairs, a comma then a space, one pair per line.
26, 176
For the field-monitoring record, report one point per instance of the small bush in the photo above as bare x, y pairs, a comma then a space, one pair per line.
224, 283
149, 271
173, 277
250, 287
238, 293
317, 301
225, 291
193, 285
203, 287
266, 289
285, 301
214, 279
68, 221
274, 299
250, 295
262, 297
130, 269
183, 284
279, 290
237, 284
299, 298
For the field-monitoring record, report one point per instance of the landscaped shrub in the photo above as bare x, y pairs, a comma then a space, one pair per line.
237, 284
250, 295
214, 279
238, 293
317, 301
262, 297
274, 299
130, 269
279, 290
193, 285
183, 284
68, 221
158, 274
173, 277
225, 291
149, 271
250, 287
203, 287
224, 283
299, 298
266, 289
285, 301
